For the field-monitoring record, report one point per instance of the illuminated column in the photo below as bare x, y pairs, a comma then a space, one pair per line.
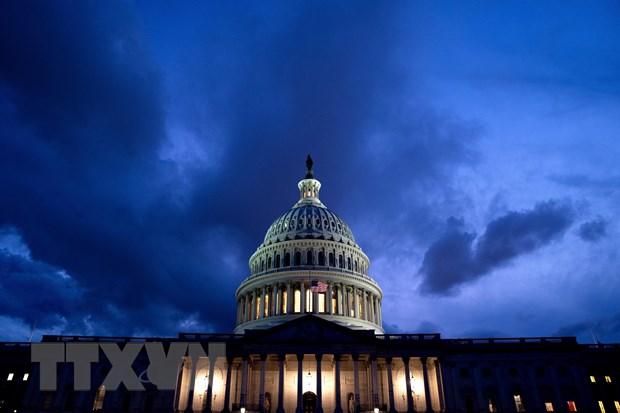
192, 381
302, 297
330, 305
408, 384
261, 392
315, 301
365, 305
338, 408
229, 366
375, 384
372, 308
280, 408
319, 385
380, 317
388, 362
300, 359
177, 389
253, 305
289, 299
340, 299
356, 381
212, 360
244, 381
261, 308
356, 303
442, 405
192, 384
427, 390
280, 298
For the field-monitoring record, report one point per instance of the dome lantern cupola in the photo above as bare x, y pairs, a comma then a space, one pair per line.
309, 262
309, 187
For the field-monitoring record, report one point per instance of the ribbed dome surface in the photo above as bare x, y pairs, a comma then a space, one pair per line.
309, 222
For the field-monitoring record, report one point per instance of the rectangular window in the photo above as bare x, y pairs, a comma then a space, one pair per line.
10, 377
519, 403
549, 406
26, 377
492, 407
601, 406
608, 379
593, 379
571, 406
617, 404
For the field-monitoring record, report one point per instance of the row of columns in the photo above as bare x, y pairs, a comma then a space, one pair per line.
189, 376
279, 299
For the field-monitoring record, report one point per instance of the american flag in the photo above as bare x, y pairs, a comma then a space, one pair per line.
318, 286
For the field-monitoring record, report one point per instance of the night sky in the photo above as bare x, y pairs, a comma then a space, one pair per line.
473, 149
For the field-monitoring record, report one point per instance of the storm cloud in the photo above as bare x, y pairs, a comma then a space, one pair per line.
459, 257
594, 230
146, 147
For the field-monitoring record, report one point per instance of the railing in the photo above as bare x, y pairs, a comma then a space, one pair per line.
409, 337
209, 337
14, 344
513, 340
113, 339
310, 268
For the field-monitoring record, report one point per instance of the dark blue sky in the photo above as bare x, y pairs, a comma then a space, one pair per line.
473, 149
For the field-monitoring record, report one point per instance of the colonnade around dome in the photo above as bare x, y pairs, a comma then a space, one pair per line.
295, 296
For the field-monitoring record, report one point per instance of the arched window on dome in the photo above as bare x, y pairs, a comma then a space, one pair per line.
287, 259
340, 262
321, 258
278, 261
349, 263
269, 263
309, 260
297, 258
331, 260
355, 265
262, 265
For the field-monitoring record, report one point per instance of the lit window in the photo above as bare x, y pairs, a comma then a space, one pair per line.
617, 406
571, 406
608, 379
601, 406
26, 376
10, 377
296, 301
593, 379
492, 406
519, 403
549, 406
99, 397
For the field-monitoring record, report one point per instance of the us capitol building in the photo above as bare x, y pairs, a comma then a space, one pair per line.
309, 339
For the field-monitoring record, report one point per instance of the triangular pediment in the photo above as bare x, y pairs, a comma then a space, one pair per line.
310, 330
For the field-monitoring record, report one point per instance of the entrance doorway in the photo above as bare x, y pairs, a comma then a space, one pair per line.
309, 402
